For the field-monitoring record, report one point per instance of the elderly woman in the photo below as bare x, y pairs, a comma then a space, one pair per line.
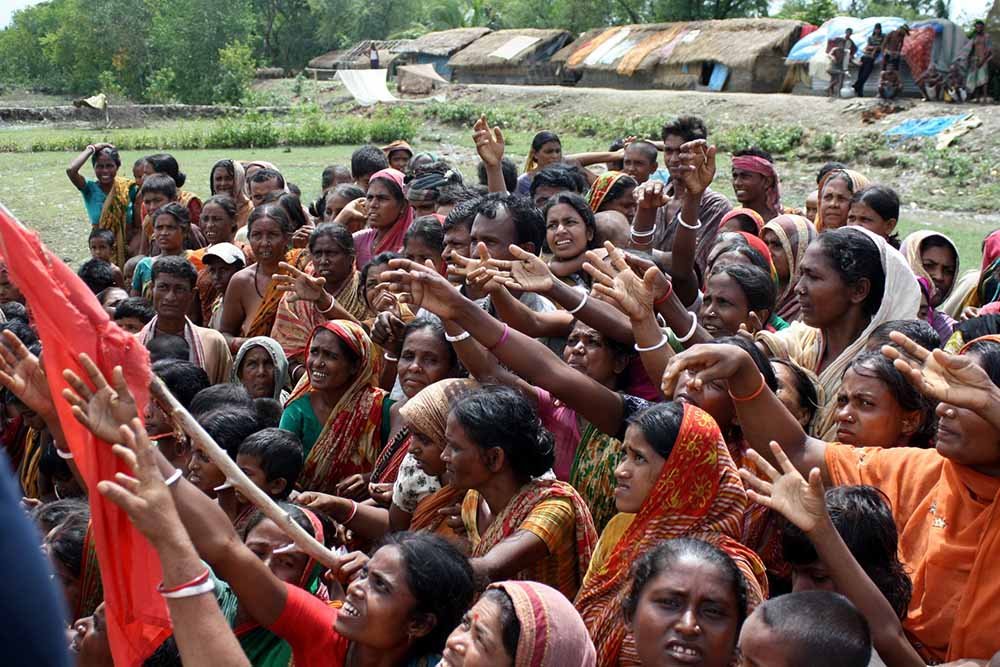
262, 368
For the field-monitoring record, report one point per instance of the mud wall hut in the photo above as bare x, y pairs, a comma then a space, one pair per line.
326, 66
510, 56
436, 48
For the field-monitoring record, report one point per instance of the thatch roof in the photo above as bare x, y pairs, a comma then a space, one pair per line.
734, 43
442, 43
538, 45
358, 54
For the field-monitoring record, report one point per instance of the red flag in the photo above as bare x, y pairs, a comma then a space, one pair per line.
70, 320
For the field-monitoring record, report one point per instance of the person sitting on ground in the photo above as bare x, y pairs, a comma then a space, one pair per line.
890, 85
756, 183
101, 243
110, 199
365, 162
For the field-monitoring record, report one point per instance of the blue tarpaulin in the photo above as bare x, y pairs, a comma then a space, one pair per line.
923, 127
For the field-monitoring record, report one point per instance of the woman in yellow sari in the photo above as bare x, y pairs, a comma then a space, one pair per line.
109, 199
337, 411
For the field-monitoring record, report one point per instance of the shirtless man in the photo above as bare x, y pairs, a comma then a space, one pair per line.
251, 300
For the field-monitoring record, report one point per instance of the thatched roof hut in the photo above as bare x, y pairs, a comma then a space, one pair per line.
736, 55
435, 48
326, 65
510, 56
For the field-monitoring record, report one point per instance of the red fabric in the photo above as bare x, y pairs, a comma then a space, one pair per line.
70, 321
917, 49
306, 623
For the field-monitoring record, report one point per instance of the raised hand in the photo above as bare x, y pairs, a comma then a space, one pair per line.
787, 492
104, 409
632, 295
354, 215
423, 287
707, 362
944, 377
489, 142
698, 166
22, 374
484, 281
463, 266
299, 285
300, 239
527, 272
387, 332
651, 195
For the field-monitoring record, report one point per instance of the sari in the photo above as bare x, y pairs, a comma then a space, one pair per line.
116, 215
552, 632
765, 168
804, 344
365, 245
758, 220
91, 590
27, 472
978, 290
263, 320
295, 320
539, 509
911, 249
601, 187
277, 357
857, 182
698, 493
347, 442
795, 233
593, 473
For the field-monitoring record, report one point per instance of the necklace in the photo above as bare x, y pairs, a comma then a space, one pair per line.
256, 276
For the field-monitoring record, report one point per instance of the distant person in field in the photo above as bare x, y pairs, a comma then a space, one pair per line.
868, 55
980, 54
109, 199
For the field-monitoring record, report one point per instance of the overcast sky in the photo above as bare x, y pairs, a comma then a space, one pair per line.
962, 10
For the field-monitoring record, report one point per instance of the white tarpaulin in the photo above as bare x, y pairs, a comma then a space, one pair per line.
514, 46
598, 54
366, 85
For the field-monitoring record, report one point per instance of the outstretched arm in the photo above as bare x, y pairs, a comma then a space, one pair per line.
73, 170
490, 146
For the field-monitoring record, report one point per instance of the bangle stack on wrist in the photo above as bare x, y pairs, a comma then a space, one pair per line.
201, 584
642, 238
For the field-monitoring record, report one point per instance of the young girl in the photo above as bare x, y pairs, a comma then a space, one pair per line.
876, 208
170, 229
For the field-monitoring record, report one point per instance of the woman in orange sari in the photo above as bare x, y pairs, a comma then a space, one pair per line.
677, 479
336, 410
521, 525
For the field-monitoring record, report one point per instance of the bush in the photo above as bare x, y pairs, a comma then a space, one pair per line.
159, 90
775, 139
237, 69
392, 124
250, 131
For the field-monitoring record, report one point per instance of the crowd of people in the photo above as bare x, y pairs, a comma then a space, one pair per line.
572, 416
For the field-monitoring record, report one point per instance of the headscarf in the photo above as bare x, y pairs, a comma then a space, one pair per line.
241, 191
967, 288
427, 412
759, 165
988, 289
392, 241
761, 248
911, 249
698, 492
347, 443
748, 212
601, 187
277, 356
856, 181
427, 188
795, 233
552, 632
399, 145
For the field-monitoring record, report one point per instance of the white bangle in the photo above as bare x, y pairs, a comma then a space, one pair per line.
686, 225
64, 455
651, 348
333, 302
583, 302
389, 357
207, 586
174, 476
642, 235
457, 339
690, 334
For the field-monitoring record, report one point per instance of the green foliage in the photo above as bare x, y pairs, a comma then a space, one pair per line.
775, 139
236, 72
815, 12
390, 124
161, 86
825, 142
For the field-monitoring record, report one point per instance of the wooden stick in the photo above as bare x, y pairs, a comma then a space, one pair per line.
217, 455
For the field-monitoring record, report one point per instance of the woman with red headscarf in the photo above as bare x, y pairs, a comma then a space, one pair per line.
756, 183
388, 214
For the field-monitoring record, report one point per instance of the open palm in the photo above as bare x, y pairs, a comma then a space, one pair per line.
526, 272
633, 295
22, 373
423, 287
105, 408
944, 377
299, 285
801, 501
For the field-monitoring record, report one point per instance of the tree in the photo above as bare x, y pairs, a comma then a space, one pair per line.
816, 12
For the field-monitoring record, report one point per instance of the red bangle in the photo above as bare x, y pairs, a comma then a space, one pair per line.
743, 399
662, 299
200, 579
503, 338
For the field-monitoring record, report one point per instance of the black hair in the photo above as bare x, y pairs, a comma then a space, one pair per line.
367, 160
330, 173
14, 310
755, 282
53, 467
97, 275
977, 327
268, 411
728, 242
578, 204
274, 212
617, 190
183, 379
348, 191
919, 331
854, 257
427, 230
221, 164
760, 360
225, 202
164, 163
175, 265
224, 396
754, 151
166, 655
175, 211
279, 453
509, 169
335, 232
109, 151
297, 515
876, 365
529, 226
266, 174
863, 517
687, 128
293, 189
988, 353
381, 258
827, 168
510, 627
292, 205
105, 235
160, 184
542, 138
495, 416
463, 214
167, 347
441, 174
229, 427
435, 325
135, 307
648, 150
818, 628
555, 176
67, 542
441, 581
884, 201
660, 425
53, 513
804, 386
938, 241
665, 554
